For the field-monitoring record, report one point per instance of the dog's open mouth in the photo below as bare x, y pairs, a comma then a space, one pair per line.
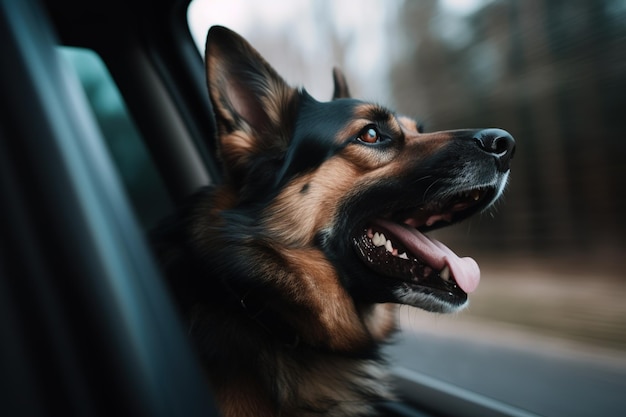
396, 246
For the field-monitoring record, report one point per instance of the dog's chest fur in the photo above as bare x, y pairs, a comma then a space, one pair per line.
335, 387
272, 376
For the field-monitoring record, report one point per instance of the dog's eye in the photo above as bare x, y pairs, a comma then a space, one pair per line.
370, 135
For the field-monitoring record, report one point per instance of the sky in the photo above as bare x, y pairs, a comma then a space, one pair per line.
305, 31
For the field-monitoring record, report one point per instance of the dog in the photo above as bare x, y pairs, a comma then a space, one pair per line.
290, 269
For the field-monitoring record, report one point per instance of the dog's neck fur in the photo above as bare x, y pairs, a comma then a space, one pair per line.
257, 363
267, 320
275, 376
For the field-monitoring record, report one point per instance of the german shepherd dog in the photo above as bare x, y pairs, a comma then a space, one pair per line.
290, 268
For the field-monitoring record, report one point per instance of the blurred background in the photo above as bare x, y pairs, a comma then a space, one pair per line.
551, 72
553, 250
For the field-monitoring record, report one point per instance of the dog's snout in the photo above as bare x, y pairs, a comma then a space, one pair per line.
499, 143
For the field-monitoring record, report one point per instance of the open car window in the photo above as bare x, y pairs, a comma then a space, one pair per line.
545, 331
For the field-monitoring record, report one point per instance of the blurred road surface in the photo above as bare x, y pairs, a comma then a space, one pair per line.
547, 376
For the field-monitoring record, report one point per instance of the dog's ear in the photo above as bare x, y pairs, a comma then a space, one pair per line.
341, 85
251, 101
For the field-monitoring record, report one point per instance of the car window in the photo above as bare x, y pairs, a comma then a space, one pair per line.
546, 329
142, 182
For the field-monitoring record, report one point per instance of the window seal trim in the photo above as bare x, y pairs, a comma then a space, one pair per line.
448, 399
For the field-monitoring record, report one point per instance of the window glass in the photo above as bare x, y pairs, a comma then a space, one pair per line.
546, 329
139, 175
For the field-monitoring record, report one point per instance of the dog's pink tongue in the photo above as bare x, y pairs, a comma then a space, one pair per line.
464, 270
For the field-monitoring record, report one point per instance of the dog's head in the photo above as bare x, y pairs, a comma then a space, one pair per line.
344, 190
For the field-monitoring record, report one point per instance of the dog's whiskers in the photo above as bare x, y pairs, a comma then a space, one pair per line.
425, 197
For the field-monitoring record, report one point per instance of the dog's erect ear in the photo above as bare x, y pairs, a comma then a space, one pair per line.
341, 86
250, 100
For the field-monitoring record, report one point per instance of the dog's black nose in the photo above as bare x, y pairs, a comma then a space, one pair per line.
499, 143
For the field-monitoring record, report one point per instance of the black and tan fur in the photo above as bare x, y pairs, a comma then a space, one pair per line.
287, 316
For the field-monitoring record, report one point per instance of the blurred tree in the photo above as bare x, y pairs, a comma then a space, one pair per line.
551, 72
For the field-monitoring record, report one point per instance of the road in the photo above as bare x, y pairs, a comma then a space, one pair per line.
544, 376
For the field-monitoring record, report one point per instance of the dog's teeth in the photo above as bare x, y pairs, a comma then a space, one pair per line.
403, 255
379, 239
445, 273
475, 195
